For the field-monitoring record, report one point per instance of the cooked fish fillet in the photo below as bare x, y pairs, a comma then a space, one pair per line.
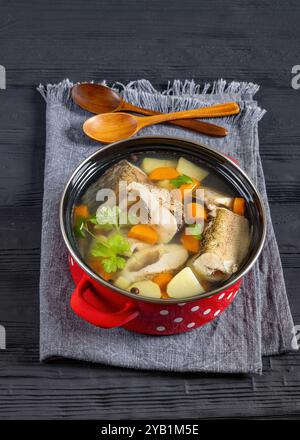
214, 199
125, 171
224, 246
167, 201
150, 209
121, 171
147, 263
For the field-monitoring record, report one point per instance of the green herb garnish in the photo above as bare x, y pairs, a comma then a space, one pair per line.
194, 230
113, 264
181, 180
79, 228
112, 251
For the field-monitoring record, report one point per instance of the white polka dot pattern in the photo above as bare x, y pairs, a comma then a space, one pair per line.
169, 320
178, 319
160, 328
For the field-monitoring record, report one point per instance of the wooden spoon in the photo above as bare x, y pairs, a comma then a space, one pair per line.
101, 99
112, 127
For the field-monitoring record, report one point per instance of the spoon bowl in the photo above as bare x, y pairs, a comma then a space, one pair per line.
96, 98
111, 127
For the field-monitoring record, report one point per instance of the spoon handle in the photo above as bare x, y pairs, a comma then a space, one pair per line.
192, 124
228, 109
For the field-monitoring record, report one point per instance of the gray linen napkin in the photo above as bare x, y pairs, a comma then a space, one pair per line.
257, 323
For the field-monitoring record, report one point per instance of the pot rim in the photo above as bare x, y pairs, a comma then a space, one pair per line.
161, 301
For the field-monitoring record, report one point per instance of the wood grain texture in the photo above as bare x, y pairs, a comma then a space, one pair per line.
46, 42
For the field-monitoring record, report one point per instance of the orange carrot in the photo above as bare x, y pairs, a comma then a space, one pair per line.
239, 206
163, 173
164, 295
188, 187
81, 211
144, 233
195, 211
163, 279
98, 268
190, 243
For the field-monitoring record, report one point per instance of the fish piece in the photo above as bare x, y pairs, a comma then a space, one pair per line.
169, 199
137, 181
214, 199
155, 211
122, 171
125, 171
147, 263
137, 245
224, 246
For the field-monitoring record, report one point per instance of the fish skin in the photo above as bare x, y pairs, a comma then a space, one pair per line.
227, 237
122, 171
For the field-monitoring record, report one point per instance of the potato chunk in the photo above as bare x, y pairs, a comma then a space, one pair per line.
146, 288
188, 168
150, 163
184, 284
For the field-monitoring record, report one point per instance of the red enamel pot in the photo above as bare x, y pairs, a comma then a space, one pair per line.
103, 305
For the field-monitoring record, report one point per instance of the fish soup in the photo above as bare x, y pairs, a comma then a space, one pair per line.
162, 226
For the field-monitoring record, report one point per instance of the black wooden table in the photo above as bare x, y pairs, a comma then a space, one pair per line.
124, 40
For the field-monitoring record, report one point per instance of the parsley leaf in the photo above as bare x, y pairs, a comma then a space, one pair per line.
93, 219
111, 250
180, 180
101, 250
118, 243
113, 264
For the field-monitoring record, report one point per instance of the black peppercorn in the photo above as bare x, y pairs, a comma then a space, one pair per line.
135, 290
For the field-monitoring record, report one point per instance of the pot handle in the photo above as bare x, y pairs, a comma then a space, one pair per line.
101, 306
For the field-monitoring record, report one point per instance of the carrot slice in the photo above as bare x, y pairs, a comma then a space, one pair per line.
188, 187
163, 173
190, 243
162, 280
98, 268
144, 233
164, 295
81, 211
195, 211
239, 206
